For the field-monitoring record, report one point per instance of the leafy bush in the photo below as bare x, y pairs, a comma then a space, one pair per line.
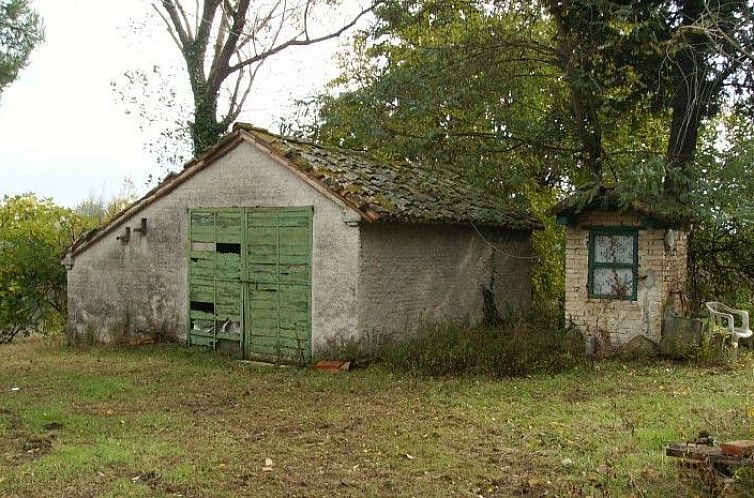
33, 233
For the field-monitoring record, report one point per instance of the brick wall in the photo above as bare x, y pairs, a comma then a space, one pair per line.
415, 274
661, 285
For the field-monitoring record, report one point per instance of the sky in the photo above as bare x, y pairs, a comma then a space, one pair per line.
65, 134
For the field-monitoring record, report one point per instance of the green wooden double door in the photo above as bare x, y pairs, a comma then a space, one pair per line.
250, 281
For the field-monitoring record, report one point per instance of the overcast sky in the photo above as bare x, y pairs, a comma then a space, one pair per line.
63, 131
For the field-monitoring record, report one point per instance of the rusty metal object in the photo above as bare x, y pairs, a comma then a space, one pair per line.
743, 448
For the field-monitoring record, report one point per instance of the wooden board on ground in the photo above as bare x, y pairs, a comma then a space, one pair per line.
705, 453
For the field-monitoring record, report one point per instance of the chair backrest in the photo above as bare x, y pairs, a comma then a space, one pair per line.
726, 316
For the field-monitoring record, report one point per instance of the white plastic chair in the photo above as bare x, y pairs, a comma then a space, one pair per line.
723, 315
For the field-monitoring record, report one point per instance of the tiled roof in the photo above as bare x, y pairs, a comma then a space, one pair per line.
380, 191
608, 198
397, 192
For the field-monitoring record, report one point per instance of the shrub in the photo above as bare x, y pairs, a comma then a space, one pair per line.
33, 233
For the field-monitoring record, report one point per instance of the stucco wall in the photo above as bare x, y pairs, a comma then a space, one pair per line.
661, 285
144, 281
415, 274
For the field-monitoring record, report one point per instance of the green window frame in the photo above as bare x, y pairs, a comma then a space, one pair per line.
618, 266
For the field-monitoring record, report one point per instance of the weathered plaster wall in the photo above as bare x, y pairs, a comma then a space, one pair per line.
414, 274
662, 281
144, 282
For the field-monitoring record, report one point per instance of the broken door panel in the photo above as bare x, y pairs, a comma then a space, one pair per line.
215, 289
250, 280
278, 272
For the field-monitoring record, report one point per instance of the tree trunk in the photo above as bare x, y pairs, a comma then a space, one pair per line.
205, 130
689, 104
687, 108
585, 98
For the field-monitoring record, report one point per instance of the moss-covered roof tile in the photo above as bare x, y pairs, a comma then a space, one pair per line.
397, 192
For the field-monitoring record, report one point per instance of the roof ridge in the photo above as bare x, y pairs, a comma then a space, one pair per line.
445, 168
248, 127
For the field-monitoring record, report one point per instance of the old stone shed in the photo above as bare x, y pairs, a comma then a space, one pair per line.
277, 247
625, 267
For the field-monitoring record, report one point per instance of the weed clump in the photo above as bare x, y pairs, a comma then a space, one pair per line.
513, 348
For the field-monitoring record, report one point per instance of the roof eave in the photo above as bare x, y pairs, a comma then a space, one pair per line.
225, 145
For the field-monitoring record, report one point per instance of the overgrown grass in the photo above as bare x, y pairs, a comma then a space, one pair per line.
169, 421
515, 347
511, 347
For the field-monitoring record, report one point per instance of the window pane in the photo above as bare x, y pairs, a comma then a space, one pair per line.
613, 282
614, 248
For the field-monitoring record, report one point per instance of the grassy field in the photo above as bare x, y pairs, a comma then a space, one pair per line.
169, 421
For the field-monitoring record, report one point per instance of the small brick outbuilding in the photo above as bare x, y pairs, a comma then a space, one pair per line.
625, 267
276, 247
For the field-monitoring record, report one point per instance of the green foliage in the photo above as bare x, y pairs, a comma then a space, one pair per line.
721, 259
21, 30
535, 98
651, 67
33, 234
451, 83
548, 275
538, 93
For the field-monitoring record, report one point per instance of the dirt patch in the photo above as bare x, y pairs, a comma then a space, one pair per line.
155, 482
23, 445
38, 446
12, 420
22, 448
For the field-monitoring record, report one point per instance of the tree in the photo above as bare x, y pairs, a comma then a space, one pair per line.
721, 259
96, 210
21, 30
33, 234
451, 83
659, 55
535, 98
224, 43
610, 88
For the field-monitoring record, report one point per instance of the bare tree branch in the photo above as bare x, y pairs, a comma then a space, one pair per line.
170, 29
236, 45
175, 18
297, 41
186, 22
221, 32
219, 72
205, 24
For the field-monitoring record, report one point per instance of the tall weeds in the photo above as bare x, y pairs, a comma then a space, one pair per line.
517, 346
